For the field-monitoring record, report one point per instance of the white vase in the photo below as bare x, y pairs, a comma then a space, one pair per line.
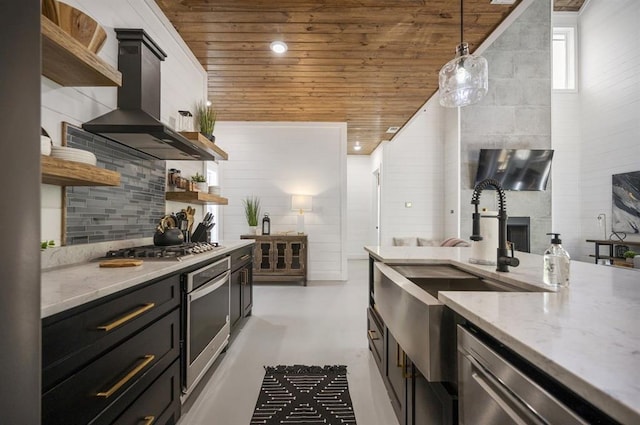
252, 230
202, 187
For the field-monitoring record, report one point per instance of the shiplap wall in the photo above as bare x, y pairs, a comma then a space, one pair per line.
413, 172
451, 132
276, 160
360, 186
610, 105
183, 83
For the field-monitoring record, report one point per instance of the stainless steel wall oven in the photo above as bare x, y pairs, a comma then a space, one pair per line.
205, 319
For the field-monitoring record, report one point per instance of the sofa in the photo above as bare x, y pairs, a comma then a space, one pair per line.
416, 241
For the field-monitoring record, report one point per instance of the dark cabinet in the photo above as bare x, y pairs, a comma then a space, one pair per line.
241, 297
429, 403
375, 333
280, 258
105, 358
394, 375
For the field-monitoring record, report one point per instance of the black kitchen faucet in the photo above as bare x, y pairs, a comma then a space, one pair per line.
504, 260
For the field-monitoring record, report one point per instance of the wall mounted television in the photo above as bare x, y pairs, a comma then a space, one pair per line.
626, 202
515, 169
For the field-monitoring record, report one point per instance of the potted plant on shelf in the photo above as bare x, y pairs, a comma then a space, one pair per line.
252, 212
200, 182
628, 255
206, 119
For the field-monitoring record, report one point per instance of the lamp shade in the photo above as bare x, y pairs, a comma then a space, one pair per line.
301, 203
463, 80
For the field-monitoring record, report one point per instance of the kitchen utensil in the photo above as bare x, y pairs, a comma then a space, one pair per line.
121, 262
168, 237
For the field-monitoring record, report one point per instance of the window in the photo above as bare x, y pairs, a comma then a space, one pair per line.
564, 58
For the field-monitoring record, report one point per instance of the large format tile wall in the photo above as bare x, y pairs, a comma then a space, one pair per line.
516, 113
276, 160
104, 213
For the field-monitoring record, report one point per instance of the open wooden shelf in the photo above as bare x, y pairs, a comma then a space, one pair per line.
196, 198
201, 140
67, 62
70, 173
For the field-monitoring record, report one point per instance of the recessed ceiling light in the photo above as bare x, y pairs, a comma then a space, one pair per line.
279, 47
393, 129
357, 147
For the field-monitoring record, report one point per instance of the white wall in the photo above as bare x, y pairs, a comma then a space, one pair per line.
183, 84
413, 172
359, 198
610, 104
276, 160
451, 131
596, 130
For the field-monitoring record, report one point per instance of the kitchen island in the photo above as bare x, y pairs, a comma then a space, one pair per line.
586, 336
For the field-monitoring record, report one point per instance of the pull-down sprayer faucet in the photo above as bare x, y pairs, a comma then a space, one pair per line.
504, 260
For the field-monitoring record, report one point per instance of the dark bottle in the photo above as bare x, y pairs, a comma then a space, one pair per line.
266, 224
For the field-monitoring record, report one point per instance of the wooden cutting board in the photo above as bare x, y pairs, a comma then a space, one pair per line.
121, 262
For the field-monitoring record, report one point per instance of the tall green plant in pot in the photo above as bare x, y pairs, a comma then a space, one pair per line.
206, 119
252, 212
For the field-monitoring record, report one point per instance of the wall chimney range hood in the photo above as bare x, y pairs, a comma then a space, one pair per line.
136, 122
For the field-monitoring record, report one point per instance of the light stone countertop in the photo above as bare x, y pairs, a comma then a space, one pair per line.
69, 286
586, 336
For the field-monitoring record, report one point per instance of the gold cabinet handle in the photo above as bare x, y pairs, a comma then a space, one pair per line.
372, 335
126, 318
245, 277
148, 420
128, 377
245, 257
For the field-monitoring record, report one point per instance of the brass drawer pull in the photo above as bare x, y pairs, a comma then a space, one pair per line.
126, 318
372, 335
245, 257
128, 377
148, 420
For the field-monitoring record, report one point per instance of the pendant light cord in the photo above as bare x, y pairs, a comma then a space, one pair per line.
461, 21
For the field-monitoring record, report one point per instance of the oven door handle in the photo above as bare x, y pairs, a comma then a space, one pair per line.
209, 287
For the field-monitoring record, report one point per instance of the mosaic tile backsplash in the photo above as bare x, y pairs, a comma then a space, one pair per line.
104, 213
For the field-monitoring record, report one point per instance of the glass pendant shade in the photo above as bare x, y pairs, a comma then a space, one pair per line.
463, 80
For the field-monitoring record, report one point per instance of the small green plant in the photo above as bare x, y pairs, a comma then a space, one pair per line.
630, 254
198, 178
206, 118
47, 244
252, 210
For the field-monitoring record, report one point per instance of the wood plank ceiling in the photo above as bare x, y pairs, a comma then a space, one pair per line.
370, 63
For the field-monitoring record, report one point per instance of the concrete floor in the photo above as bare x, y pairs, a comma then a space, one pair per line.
323, 323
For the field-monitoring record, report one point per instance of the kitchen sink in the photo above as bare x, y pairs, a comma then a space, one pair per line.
436, 278
406, 296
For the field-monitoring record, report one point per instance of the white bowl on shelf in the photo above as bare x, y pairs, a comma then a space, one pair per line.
214, 190
45, 145
73, 154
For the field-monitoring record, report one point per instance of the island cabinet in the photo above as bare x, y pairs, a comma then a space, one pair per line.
279, 258
241, 285
115, 360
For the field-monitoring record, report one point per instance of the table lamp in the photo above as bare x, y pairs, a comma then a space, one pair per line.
301, 203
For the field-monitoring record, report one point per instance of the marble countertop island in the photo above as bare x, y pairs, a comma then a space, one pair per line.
586, 336
69, 286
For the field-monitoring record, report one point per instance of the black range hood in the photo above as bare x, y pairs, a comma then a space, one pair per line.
136, 121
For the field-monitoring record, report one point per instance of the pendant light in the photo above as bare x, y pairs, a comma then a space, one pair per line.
463, 80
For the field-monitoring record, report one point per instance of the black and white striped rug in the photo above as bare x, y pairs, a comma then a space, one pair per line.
304, 395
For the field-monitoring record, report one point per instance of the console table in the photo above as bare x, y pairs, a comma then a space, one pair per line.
610, 243
279, 258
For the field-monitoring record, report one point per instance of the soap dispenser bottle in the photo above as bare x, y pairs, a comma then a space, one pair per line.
556, 263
